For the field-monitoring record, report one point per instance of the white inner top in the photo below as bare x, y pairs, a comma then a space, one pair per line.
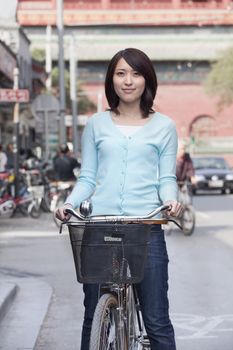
128, 130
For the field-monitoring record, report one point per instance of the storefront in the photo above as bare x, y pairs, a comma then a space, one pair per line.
7, 65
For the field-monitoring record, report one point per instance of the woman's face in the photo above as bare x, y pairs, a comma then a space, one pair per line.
129, 84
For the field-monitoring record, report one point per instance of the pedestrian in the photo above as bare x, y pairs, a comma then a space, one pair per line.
184, 167
3, 159
10, 156
128, 167
64, 164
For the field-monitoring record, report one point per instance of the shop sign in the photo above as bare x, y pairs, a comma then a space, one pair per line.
10, 95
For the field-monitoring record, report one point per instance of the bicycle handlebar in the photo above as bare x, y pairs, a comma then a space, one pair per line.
148, 219
115, 218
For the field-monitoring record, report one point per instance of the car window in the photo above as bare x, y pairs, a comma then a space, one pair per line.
213, 163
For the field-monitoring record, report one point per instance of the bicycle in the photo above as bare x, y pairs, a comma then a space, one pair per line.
59, 191
28, 199
188, 218
111, 251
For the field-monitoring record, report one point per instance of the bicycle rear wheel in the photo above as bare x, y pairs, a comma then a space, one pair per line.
105, 325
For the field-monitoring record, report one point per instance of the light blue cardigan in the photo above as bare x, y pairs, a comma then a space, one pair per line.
127, 175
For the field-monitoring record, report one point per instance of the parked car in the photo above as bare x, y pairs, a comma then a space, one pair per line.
212, 173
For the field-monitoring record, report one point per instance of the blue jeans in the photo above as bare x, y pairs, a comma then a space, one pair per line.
152, 293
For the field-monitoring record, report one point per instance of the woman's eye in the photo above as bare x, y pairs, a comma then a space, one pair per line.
120, 74
137, 74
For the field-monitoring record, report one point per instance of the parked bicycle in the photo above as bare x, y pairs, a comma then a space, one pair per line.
111, 251
28, 199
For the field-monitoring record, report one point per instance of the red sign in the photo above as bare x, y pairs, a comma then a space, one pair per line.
9, 95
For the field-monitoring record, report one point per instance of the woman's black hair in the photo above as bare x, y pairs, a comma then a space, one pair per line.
141, 63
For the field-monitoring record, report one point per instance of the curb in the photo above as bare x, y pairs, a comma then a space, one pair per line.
21, 324
8, 292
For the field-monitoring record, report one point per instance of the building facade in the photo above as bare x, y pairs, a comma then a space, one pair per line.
182, 38
15, 52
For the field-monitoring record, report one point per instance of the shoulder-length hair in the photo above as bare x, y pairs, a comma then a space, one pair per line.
141, 63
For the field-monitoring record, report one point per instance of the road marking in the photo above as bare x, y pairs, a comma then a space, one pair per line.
200, 326
203, 215
225, 237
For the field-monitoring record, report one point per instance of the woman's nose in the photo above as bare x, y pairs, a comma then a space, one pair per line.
128, 79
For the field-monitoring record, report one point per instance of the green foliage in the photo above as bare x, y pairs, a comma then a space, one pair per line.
84, 104
38, 54
219, 81
55, 78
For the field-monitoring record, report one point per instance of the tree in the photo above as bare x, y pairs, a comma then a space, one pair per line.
219, 81
85, 105
38, 54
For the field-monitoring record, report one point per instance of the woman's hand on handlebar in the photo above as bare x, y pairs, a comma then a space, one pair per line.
61, 212
175, 208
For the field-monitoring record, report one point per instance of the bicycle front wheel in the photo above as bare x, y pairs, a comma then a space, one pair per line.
105, 333
188, 220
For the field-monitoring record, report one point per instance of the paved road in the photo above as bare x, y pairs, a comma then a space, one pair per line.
201, 281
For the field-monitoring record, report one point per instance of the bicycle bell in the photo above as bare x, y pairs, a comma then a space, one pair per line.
86, 208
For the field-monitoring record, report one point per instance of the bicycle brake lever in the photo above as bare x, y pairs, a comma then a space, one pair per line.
175, 222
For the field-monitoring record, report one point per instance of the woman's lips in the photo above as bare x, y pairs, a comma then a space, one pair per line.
128, 91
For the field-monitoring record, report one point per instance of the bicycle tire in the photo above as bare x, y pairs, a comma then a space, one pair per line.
45, 203
104, 333
23, 208
188, 220
34, 210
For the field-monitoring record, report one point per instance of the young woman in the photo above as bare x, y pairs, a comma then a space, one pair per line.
128, 167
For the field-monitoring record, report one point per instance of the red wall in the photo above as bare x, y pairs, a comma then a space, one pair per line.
186, 102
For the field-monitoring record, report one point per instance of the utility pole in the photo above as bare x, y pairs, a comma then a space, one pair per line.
16, 133
60, 29
73, 94
48, 59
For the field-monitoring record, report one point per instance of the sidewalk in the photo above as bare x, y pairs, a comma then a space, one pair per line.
8, 291
23, 306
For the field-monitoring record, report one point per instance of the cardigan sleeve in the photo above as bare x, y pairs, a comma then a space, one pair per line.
168, 189
86, 182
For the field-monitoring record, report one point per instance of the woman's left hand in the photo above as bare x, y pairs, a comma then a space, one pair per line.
175, 208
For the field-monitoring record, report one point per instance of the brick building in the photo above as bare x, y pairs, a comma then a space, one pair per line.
182, 38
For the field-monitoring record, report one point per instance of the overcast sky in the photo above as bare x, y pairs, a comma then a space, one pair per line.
7, 8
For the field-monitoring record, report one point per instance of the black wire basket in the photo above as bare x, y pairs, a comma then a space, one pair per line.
109, 253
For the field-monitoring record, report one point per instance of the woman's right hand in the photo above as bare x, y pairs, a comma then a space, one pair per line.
61, 214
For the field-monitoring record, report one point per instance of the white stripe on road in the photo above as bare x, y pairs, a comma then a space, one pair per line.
203, 215
200, 326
